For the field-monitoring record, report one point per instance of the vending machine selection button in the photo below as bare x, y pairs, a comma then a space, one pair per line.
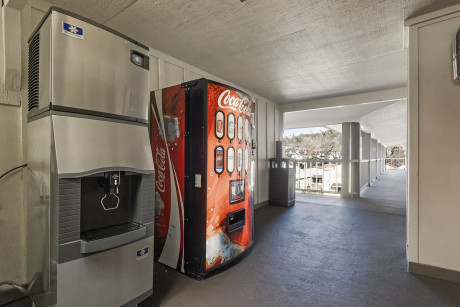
231, 126
220, 125
219, 159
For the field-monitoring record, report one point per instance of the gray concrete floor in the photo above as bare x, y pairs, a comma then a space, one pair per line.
317, 253
386, 194
391, 186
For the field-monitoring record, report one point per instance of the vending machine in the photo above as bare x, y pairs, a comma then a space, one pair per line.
201, 137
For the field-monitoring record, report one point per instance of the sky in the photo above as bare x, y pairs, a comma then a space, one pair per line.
298, 131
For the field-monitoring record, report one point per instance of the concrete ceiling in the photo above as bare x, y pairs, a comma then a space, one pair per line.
386, 121
388, 124
329, 116
286, 51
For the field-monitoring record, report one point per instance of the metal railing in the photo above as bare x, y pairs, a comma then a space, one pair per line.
318, 176
395, 163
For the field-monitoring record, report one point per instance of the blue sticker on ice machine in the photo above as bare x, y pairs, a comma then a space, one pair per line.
72, 30
142, 253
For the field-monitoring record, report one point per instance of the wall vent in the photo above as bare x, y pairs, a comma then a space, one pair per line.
34, 66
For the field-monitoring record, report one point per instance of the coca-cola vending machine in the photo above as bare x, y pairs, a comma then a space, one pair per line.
201, 136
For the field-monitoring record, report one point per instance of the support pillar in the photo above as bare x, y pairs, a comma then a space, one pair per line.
351, 159
366, 158
355, 159
375, 159
345, 191
384, 155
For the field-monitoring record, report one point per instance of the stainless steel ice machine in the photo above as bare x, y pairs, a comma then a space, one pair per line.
90, 191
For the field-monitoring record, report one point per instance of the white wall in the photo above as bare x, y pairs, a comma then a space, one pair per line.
165, 71
434, 142
13, 119
12, 242
268, 117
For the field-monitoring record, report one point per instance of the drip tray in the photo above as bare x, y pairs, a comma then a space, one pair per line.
109, 237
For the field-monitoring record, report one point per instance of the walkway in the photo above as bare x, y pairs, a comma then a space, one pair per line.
386, 194
314, 254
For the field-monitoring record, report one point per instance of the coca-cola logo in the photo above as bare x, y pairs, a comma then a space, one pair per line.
237, 104
160, 161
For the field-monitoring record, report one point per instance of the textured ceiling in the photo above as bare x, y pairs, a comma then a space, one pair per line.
389, 124
329, 116
287, 51
386, 121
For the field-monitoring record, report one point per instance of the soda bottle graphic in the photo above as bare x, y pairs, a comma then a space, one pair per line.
220, 124
231, 126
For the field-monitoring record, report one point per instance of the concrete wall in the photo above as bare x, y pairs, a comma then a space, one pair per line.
434, 142
165, 71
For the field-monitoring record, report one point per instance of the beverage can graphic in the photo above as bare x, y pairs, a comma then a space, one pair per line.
219, 156
239, 159
231, 126
240, 128
220, 123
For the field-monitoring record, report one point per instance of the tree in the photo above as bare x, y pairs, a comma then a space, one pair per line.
396, 152
325, 145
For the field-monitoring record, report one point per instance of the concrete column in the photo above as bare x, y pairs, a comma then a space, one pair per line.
374, 157
366, 155
384, 155
345, 192
355, 159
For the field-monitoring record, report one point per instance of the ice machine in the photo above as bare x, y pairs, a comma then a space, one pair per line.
90, 212
201, 134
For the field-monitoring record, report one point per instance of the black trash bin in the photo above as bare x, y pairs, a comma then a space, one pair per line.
282, 182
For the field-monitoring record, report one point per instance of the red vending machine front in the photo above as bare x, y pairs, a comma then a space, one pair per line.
201, 134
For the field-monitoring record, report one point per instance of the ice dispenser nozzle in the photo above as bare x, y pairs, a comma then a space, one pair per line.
111, 182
